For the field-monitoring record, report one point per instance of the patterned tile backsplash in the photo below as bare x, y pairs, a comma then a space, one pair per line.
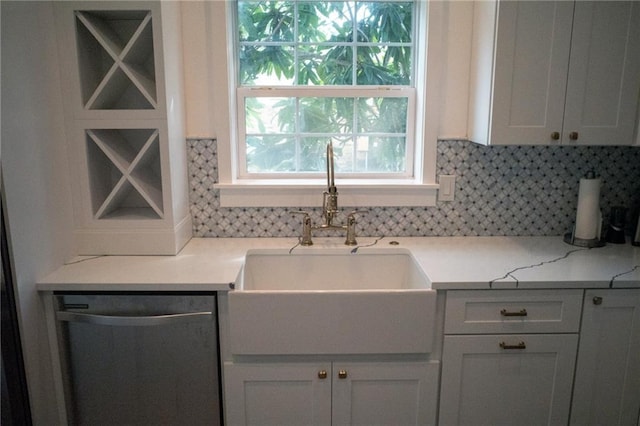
500, 190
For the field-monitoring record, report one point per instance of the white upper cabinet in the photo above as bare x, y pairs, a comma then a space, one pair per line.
604, 73
531, 63
554, 72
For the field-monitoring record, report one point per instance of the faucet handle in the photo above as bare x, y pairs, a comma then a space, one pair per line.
351, 227
305, 240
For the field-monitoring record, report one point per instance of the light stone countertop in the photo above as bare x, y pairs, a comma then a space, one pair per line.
211, 264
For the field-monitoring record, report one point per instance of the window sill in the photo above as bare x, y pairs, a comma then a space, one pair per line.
308, 193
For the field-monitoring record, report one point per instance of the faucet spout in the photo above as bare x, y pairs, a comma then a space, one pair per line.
329, 210
331, 182
330, 201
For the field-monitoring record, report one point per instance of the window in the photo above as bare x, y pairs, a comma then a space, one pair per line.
314, 72
304, 73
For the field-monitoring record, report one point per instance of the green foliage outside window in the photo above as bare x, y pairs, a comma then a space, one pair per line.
329, 45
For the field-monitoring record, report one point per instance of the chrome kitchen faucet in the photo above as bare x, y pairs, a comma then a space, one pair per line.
329, 210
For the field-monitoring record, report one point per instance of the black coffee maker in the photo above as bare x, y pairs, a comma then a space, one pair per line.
617, 222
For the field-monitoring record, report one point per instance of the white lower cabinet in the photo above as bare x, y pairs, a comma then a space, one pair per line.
508, 357
507, 379
326, 393
277, 394
607, 383
381, 393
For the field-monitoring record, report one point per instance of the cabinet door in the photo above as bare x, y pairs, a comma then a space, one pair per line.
531, 62
604, 73
607, 385
385, 393
528, 382
278, 394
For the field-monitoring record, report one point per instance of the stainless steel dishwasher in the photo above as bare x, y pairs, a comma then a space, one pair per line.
139, 359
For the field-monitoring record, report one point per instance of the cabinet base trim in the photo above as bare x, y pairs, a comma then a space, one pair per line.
134, 241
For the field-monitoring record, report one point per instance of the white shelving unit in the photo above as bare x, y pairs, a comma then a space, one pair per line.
124, 173
116, 58
121, 65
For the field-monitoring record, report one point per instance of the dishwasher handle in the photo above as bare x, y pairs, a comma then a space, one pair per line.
136, 321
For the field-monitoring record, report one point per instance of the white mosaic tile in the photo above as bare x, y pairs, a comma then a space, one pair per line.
500, 190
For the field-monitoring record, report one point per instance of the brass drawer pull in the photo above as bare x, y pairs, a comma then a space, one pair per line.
322, 374
520, 345
342, 374
520, 313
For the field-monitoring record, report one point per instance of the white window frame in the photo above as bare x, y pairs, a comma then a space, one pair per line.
312, 92
419, 190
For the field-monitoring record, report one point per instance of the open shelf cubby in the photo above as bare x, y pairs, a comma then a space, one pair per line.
125, 179
116, 59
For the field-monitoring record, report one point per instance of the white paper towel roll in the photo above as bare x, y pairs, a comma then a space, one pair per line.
588, 215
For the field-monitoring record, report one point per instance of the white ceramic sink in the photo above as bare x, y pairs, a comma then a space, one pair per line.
319, 270
322, 301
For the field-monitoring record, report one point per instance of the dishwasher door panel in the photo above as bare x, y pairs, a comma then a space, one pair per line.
140, 374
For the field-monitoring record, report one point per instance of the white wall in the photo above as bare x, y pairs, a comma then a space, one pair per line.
199, 95
34, 167
457, 46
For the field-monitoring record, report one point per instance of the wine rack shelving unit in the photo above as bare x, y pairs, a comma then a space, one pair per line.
116, 60
124, 173
127, 155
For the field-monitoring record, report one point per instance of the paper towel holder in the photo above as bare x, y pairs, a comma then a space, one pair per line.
571, 238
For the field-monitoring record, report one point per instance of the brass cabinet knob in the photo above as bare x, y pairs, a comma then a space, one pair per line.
573, 136
322, 374
555, 136
597, 300
342, 374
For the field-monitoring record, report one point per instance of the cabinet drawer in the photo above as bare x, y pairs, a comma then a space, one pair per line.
513, 311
